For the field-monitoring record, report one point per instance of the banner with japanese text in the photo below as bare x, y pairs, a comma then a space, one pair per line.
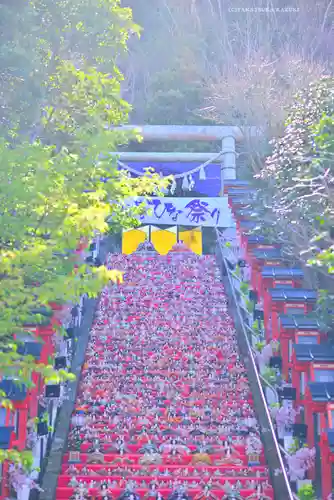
209, 212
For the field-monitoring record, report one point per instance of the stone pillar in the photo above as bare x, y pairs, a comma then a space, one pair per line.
228, 170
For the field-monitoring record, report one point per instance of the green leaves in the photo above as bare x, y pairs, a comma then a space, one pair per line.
53, 195
297, 178
62, 99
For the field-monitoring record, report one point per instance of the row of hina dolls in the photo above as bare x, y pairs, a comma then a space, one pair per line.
126, 470
180, 491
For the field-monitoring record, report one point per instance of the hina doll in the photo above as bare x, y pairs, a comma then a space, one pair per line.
259, 494
81, 493
73, 482
80, 496
172, 416
175, 457
95, 446
122, 461
95, 454
206, 494
105, 491
119, 447
179, 494
72, 471
230, 456
150, 457
149, 448
129, 495
129, 492
202, 455
75, 441
174, 444
153, 492
234, 495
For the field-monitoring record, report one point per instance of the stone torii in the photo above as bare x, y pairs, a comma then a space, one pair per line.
228, 136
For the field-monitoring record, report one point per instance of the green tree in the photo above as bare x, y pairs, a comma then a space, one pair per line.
306, 492
61, 186
298, 175
296, 189
39, 35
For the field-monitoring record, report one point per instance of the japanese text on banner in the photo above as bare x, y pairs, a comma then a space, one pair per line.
212, 212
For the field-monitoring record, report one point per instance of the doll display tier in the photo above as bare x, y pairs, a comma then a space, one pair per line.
164, 409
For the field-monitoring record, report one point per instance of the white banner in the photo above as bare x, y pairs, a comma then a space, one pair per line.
209, 212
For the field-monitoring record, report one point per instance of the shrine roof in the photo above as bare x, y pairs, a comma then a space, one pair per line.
238, 192
245, 212
258, 238
247, 224
281, 272
44, 314
267, 253
235, 183
43, 311
299, 322
322, 391
293, 294
314, 352
242, 197
30, 348
13, 390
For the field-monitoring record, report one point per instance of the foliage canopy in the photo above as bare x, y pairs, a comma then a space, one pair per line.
60, 99
296, 186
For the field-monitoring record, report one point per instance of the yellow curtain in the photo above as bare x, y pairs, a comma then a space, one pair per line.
163, 240
131, 239
193, 239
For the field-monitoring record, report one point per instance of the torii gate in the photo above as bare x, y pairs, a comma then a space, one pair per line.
227, 135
